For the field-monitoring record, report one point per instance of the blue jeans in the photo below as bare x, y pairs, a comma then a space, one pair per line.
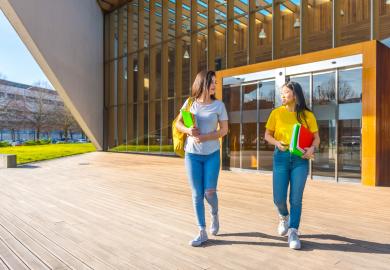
293, 170
202, 172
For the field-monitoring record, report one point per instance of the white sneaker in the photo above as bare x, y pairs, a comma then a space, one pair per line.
293, 239
214, 224
283, 225
200, 239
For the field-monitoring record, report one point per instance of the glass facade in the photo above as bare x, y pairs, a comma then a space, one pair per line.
333, 94
154, 49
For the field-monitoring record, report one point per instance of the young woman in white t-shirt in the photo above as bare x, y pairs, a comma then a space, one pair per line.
202, 150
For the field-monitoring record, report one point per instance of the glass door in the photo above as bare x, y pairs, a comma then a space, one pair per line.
249, 131
349, 124
266, 103
325, 109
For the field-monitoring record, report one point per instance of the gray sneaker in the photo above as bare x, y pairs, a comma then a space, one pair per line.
293, 239
283, 225
200, 239
214, 224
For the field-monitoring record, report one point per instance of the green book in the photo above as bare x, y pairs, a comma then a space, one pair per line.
188, 119
301, 139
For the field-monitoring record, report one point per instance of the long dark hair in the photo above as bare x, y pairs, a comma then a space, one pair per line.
202, 83
300, 103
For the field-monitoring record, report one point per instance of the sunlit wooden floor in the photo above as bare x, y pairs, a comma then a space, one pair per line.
126, 211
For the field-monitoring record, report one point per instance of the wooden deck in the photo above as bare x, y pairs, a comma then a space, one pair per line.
124, 211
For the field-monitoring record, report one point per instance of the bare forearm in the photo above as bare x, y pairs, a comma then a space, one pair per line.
270, 139
316, 142
180, 126
214, 135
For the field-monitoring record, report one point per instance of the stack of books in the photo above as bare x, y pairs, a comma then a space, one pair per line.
301, 138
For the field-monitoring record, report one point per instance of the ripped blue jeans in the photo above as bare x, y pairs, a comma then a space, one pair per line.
202, 172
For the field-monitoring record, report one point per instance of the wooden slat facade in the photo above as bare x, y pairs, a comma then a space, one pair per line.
148, 116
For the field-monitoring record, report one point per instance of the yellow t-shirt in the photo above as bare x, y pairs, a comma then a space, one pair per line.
282, 122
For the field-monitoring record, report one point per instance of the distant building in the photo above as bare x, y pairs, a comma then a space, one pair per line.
26, 110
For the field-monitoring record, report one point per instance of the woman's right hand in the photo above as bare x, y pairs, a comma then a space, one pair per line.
280, 146
193, 131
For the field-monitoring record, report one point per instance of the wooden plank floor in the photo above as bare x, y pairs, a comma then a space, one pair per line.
124, 211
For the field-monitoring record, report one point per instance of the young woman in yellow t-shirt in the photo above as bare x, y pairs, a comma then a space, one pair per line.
290, 169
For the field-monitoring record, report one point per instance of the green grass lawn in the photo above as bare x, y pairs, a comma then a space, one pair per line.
26, 154
142, 148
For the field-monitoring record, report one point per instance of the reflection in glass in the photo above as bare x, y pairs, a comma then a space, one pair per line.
231, 98
349, 129
249, 127
324, 108
266, 102
304, 81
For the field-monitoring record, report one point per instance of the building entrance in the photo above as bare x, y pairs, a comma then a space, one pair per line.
333, 91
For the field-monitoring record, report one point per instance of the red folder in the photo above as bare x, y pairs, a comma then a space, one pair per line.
301, 138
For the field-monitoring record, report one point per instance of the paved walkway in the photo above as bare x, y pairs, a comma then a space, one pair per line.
124, 211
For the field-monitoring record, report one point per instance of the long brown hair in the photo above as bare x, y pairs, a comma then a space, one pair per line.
300, 103
202, 83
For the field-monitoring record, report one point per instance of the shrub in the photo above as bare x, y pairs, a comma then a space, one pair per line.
4, 144
39, 142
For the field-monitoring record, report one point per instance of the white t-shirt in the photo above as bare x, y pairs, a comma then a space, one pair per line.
207, 117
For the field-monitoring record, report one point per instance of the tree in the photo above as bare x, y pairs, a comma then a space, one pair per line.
65, 121
39, 110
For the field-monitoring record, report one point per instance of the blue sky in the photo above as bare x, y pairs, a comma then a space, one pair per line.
16, 62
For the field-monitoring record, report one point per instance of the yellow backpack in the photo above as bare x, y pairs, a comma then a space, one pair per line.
179, 137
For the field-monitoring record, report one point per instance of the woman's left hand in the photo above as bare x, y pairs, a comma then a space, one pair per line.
309, 153
199, 138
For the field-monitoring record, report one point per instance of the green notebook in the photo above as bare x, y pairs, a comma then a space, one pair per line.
188, 118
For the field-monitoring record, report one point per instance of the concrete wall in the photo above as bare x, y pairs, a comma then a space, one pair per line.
66, 39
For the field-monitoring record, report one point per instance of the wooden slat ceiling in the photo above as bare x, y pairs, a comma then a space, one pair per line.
109, 5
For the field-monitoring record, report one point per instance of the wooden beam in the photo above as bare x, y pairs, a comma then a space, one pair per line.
194, 40
336, 33
140, 76
267, 5
230, 35
211, 36
130, 77
106, 122
111, 100
120, 78
276, 30
374, 16
164, 75
152, 68
304, 29
178, 56
290, 6
252, 32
